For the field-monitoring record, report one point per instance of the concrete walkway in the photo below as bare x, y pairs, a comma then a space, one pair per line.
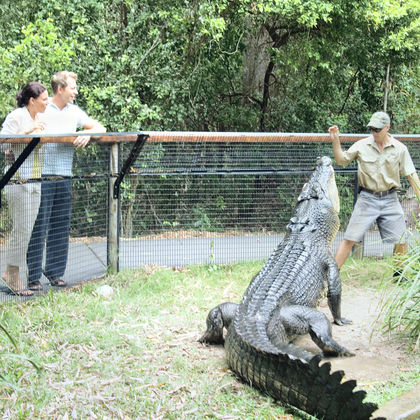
87, 260
404, 407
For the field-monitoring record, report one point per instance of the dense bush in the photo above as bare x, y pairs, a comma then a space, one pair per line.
216, 65
402, 302
294, 66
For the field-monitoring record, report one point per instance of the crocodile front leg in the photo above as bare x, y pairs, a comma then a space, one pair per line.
293, 320
334, 292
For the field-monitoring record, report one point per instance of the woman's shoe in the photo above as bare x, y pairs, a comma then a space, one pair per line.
16, 292
20, 292
57, 282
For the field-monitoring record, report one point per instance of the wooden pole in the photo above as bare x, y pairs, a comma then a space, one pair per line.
113, 212
386, 88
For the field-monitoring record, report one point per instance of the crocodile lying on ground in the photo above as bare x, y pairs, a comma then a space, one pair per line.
280, 303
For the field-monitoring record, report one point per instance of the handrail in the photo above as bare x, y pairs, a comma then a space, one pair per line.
194, 136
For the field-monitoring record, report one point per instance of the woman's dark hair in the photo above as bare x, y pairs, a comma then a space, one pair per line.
30, 90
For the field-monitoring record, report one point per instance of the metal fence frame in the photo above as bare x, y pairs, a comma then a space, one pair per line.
117, 169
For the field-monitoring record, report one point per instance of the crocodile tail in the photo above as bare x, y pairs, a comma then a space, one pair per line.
295, 379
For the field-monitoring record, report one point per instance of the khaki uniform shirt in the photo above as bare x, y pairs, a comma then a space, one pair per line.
380, 171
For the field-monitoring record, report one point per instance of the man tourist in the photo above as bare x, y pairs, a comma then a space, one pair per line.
52, 225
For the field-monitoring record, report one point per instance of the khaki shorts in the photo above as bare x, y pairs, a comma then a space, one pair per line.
385, 211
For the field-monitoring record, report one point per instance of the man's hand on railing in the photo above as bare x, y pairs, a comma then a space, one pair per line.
81, 141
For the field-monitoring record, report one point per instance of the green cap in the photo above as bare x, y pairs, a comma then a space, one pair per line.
379, 120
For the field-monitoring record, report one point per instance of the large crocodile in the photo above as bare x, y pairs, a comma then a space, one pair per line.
280, 303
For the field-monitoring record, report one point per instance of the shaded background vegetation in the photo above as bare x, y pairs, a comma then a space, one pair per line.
214, 65
290, 65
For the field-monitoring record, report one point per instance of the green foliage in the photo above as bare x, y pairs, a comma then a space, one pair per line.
406, 99
36, 56
7, 374
401, 303
345, 185
292, 65
184, 65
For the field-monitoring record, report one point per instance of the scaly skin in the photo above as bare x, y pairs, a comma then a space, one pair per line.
280, 303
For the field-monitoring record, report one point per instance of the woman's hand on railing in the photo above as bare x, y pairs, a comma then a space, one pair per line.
38, 127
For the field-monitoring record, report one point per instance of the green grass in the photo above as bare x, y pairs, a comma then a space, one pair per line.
401, 303
134, 355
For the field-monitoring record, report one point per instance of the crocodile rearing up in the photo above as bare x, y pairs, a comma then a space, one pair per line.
280, 303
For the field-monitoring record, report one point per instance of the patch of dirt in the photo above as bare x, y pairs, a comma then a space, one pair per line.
378, 356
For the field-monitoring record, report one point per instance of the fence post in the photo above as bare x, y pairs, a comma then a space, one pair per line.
113, 211
357, 251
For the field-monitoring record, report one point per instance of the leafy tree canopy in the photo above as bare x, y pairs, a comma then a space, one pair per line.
272, 65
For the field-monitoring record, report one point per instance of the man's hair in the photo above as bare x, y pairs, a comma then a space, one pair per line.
60, 79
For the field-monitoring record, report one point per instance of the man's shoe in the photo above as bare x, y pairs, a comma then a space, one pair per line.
55, 281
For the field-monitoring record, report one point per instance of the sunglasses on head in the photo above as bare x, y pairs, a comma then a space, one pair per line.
375, 130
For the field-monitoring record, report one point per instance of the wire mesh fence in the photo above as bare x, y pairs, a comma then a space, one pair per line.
200, 200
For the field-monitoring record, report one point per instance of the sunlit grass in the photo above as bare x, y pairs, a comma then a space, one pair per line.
135, 355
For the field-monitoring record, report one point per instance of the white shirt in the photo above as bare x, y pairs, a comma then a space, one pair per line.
59, 156
16, 122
